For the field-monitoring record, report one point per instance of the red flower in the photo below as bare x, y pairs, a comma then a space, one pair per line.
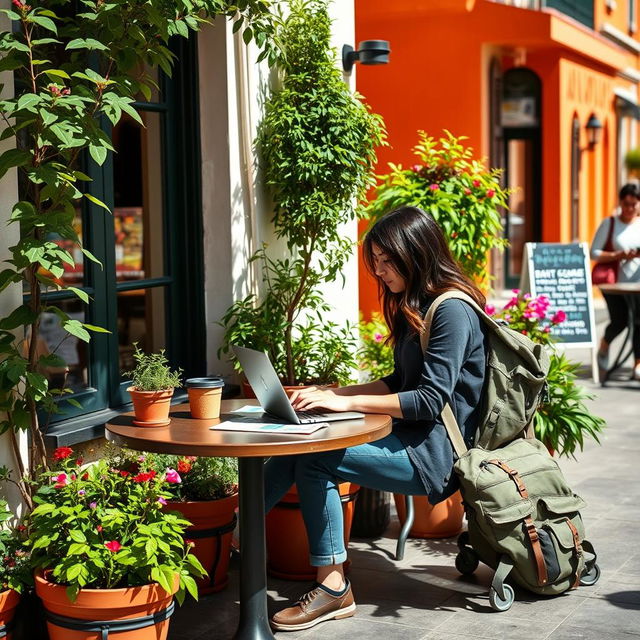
61, 481
454, 234
99, 528
124, 474
79, 461
491, 193
524, 332
145, 476
85, 476
467, 191
21, 528
184, 466
476, 183
113, 546
62, 453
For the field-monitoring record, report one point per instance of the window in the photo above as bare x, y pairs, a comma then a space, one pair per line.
633, 27
149, 289
580, 10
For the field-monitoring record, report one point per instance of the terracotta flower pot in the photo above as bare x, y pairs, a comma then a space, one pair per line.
212, 523
8, 602
287, 542
205, 395
443, 520
151, 407
130, 604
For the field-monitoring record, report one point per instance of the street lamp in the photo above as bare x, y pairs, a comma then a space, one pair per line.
369, 52
594, 130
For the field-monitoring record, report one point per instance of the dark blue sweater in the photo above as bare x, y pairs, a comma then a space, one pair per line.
451, 370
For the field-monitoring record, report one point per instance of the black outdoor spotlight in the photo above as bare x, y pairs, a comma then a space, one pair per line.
594, 130
369, 52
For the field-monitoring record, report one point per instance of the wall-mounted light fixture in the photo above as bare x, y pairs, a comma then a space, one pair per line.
594, 130
369, 52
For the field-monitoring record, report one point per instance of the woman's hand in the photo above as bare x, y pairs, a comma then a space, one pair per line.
320, 398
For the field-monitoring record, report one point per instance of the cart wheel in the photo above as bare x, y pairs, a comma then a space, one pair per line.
466, 561
463, 540
497, 602
590, 577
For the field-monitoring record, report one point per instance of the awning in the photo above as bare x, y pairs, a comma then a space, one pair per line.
627, 108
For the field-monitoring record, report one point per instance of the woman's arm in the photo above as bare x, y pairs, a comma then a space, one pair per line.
376, 388
600, 239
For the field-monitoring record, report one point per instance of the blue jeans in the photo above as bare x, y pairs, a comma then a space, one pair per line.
383, 465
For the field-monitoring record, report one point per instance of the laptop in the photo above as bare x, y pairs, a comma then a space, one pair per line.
268, 389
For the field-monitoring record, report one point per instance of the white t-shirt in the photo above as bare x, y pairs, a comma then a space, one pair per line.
625, 237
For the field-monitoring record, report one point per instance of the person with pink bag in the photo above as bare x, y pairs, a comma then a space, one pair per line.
616, 251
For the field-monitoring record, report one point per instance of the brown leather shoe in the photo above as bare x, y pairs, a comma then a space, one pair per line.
314, 607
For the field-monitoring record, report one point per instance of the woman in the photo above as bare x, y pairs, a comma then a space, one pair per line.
407, 253
625, 238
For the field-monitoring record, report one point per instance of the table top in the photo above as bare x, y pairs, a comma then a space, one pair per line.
188, 436
621, 288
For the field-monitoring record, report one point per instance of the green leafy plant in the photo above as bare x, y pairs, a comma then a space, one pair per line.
74, 64
201, 478
317, 145
632, 160
105, 528
462, 194
375, 356
152, 372
563, 420
15, 564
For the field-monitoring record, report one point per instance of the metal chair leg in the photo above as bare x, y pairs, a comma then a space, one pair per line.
404, 532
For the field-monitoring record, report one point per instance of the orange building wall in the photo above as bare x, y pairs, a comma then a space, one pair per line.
438, 78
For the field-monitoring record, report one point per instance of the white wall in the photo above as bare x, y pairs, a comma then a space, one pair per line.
236, 216
10, 297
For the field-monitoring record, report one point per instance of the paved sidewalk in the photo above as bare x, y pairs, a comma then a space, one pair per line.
425, 597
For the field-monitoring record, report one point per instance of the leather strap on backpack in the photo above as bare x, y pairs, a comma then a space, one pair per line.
530, 527
578, 547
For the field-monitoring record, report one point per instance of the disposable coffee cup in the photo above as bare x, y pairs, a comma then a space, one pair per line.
204, 397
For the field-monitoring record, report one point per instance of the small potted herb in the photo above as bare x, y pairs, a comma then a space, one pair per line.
153, 382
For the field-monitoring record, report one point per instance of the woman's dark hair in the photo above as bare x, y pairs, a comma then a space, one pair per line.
629, 189
416, 247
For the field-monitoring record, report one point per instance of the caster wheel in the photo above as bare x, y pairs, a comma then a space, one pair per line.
466, 562
463, 540
497, 602
590, 577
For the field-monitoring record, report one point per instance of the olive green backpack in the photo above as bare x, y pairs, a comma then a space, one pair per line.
523, 519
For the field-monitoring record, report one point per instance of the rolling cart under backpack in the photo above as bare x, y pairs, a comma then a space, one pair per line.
523, 519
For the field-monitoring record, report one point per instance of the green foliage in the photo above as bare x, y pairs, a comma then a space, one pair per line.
563, 420
152, 372
317, 144
202, 478
76, 63
15, 567
632, 159
375, 356
105, 528
463, 196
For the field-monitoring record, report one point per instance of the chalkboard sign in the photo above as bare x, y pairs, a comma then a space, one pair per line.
562, 272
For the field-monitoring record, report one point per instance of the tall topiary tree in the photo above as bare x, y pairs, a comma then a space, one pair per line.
317, 144
75, 62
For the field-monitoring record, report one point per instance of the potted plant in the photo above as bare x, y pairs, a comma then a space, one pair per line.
104, 549
632, 162
15, 569
563, 420
153, 382
316, 147
205, 492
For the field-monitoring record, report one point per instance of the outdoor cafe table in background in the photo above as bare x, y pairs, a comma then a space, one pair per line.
631, 293
187, 436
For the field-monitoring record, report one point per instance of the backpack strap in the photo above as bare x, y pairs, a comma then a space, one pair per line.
448, 417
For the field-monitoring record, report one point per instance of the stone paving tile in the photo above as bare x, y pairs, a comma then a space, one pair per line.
611, 618
566, 632
365, 628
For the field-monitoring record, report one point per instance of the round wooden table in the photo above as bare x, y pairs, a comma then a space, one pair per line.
187, 436
631, 293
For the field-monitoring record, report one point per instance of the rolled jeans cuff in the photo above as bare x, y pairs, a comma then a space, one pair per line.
324, 561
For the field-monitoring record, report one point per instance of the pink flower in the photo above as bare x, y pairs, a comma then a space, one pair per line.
558, 317
515, 292
378, 337
416, 168
81, 492
467, 191
547, 330
162, 501
491, 193
490, 309
93, 505
434, 187
172, 476
62, 480
113, 546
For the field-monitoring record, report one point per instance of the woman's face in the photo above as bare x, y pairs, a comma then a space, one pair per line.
628, 208
385, 270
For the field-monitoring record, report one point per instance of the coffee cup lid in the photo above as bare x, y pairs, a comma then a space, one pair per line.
206, 383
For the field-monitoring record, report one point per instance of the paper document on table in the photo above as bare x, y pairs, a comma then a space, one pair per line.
248, 408
269, 427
